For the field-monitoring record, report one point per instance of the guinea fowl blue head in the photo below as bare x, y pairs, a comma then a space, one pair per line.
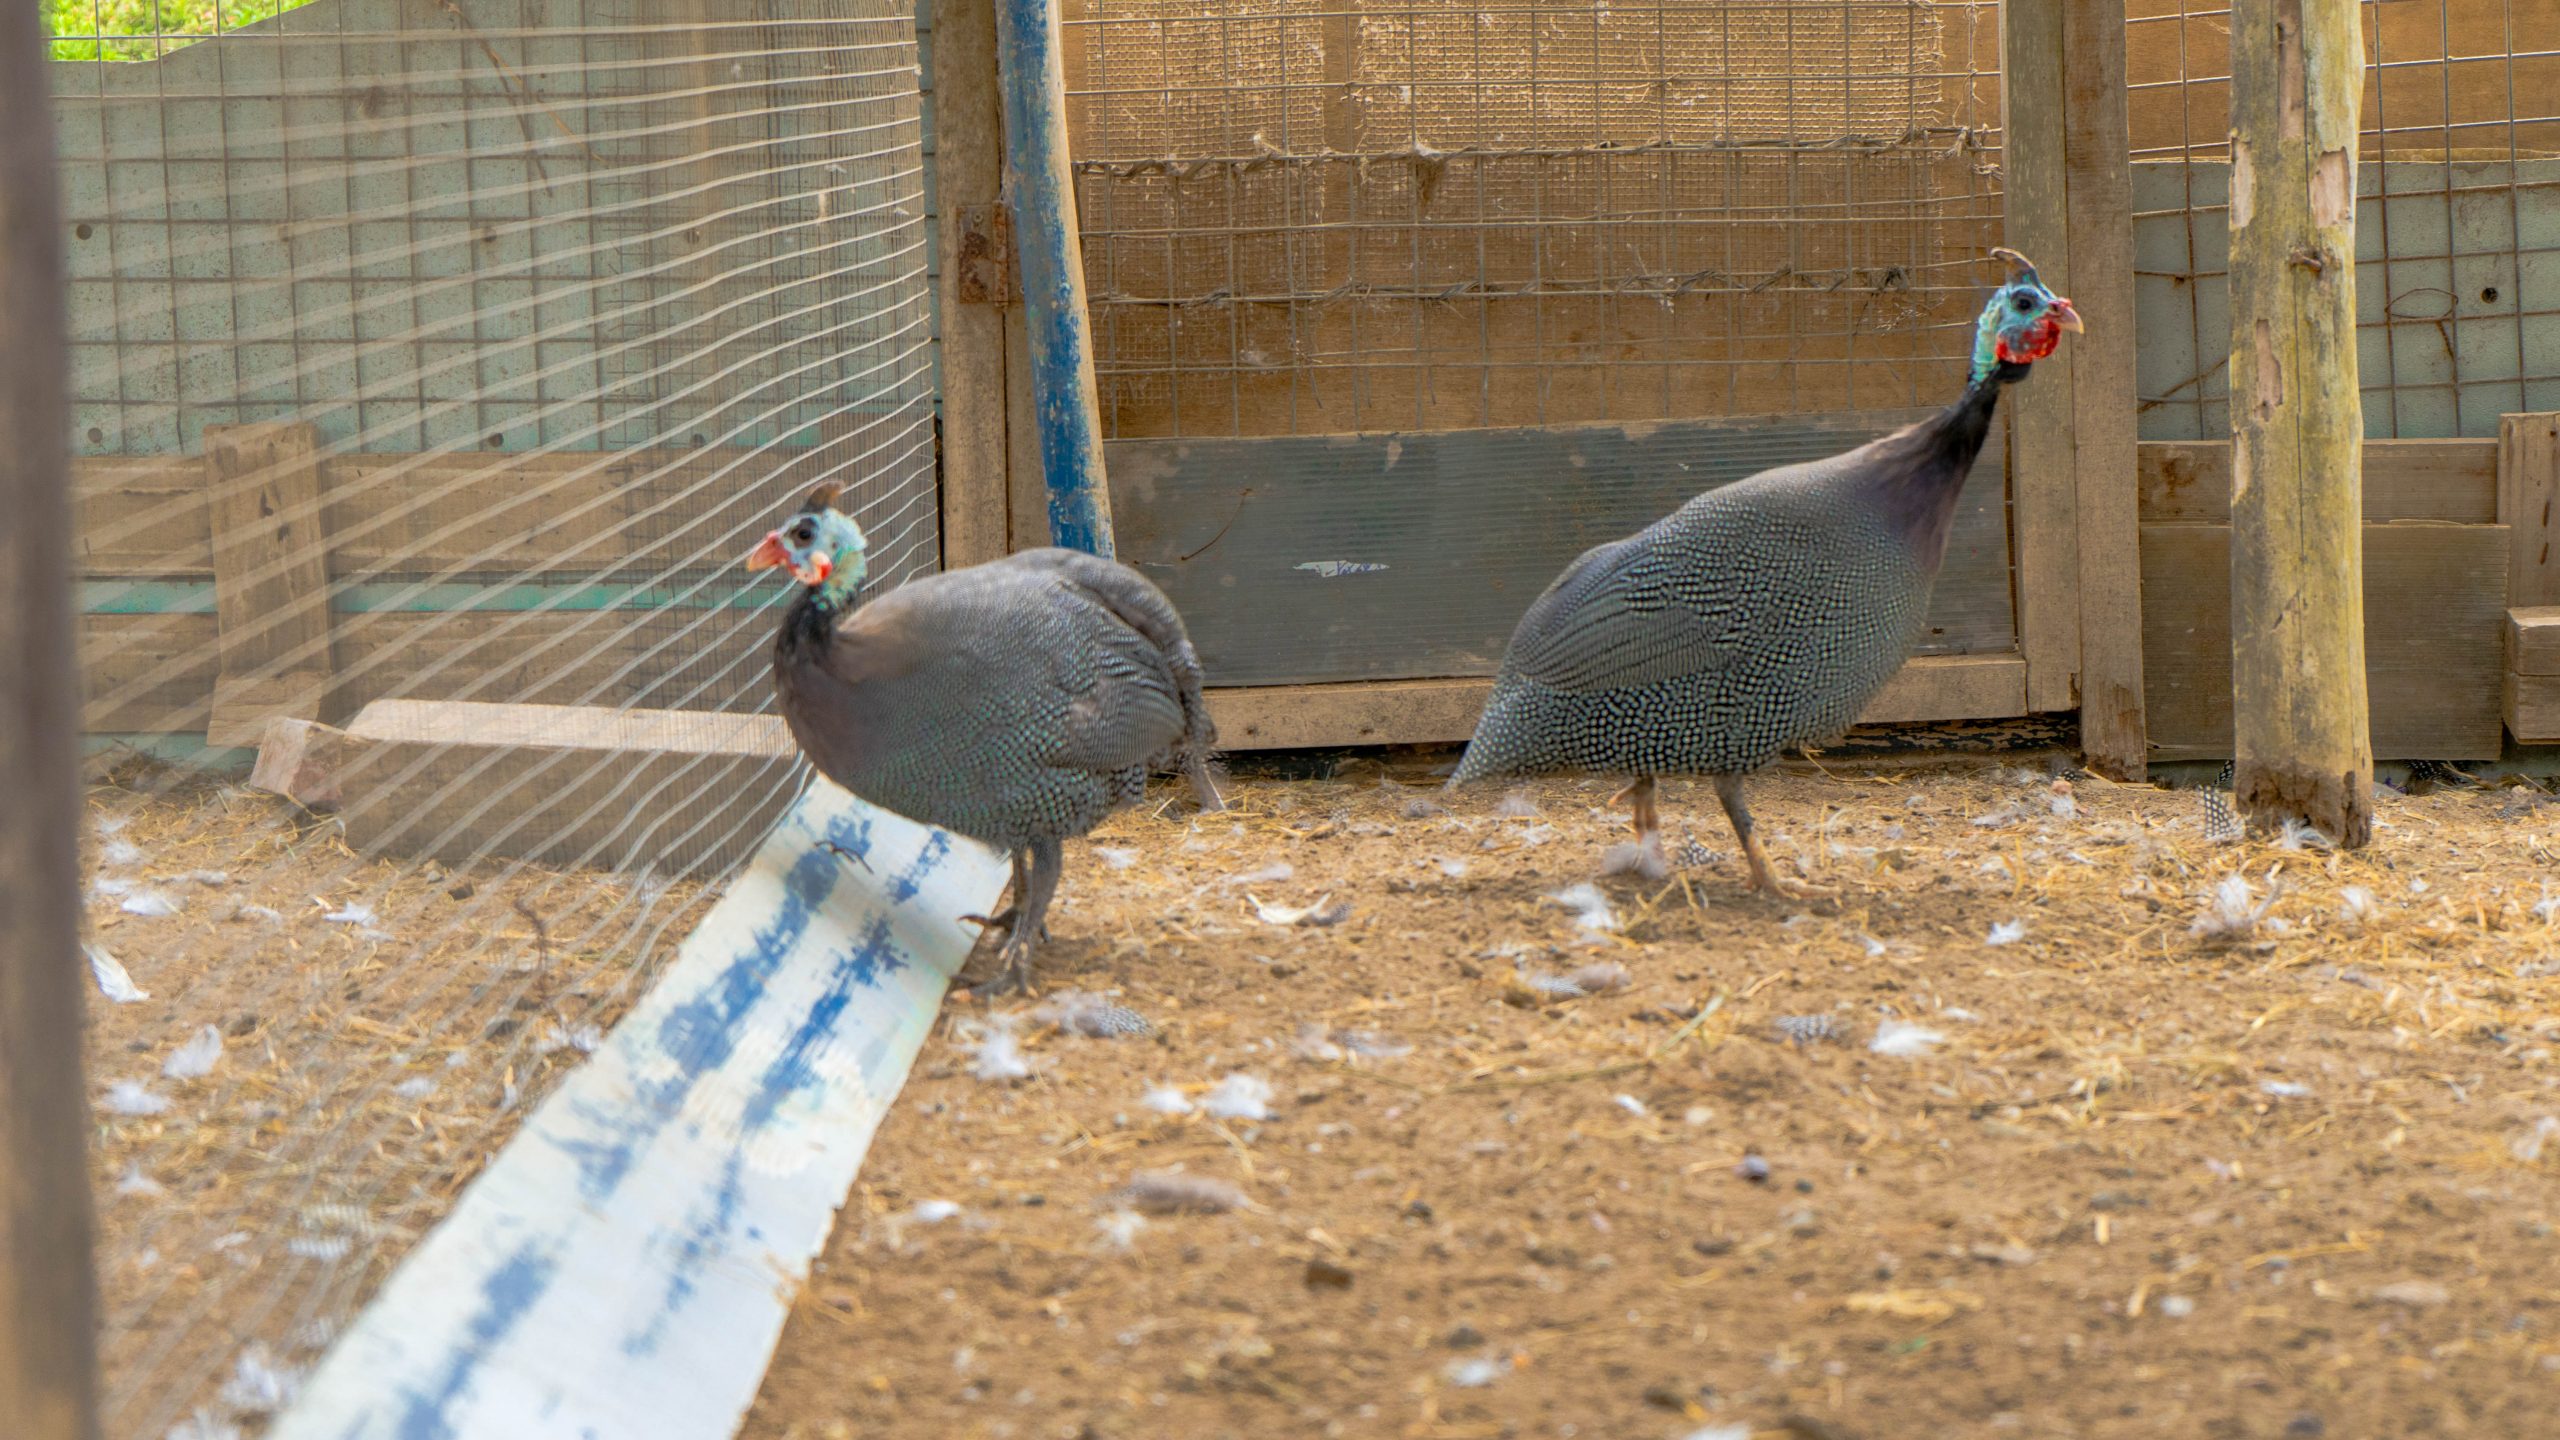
821, 547
2022, 323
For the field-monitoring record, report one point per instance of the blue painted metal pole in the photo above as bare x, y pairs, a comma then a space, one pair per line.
1040, 186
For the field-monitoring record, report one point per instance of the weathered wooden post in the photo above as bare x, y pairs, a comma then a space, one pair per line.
48, 1300
1040, 182
2303, 747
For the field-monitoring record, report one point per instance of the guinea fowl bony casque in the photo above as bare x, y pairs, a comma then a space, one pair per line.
1016, 702
1760, 615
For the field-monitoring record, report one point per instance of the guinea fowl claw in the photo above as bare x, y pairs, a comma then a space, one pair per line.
844, 854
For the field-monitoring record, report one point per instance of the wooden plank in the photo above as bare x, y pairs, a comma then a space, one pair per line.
48, 1270
1421, 712
2456, 481
2532, 708
969, 176
2435, 685
1319, 559
535, 513
2043, 484
146, 674
2533, 640
2529, 504
140, 515
270, 576
681, 792
2100, 182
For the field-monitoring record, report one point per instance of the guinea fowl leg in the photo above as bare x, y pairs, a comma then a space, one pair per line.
1650, 862
1003, 919
1763, 876
1031, 915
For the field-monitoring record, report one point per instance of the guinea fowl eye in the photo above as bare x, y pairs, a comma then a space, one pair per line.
2023, 302
802, 534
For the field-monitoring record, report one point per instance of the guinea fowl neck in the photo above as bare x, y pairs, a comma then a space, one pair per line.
1921, 485
810, 622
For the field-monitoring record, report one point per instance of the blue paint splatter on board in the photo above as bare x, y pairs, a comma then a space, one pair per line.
792, 1071
910, 883
506, 1296
701, 1033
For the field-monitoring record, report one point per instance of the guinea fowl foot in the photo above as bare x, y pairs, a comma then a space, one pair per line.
1764, 878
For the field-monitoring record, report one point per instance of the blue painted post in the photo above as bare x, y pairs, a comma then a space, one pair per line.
1040, 186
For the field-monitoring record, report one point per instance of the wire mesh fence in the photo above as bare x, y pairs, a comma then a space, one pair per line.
448, 352
1333, 215
2458, 233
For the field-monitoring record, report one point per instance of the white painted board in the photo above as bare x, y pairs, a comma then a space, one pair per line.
623, 1269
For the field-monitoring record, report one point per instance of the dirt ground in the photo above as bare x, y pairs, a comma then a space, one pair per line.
2289, 1179
383, 1028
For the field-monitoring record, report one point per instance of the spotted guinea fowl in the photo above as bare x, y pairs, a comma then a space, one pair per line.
1757, 616
1016, 702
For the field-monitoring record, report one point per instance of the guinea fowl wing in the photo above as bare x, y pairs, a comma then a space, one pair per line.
1627, 613
1121, 706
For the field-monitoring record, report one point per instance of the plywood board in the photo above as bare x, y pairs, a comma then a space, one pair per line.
2528, 458
2434, 682
270, 576
1304, 560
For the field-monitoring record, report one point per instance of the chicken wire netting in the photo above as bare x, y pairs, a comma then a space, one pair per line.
436, 352
2457, 226
1310, 216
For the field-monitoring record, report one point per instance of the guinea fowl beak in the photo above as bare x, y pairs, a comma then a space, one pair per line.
769, 554
2063, 316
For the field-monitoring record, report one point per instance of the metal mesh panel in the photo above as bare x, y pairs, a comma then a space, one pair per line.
528, 317
1305, 217
2458, 225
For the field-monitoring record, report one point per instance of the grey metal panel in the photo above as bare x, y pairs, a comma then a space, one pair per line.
1363, 557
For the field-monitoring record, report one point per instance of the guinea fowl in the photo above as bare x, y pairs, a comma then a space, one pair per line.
1759, 615
1016, 702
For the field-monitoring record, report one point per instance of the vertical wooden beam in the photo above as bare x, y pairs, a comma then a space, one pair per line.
270, 577
2299, 719
968, 152
1040, 182
48, 1296
2044, 495
2529, 505
2098, 174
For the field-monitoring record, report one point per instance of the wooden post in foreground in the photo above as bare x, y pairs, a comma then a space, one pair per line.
2303, 748
48, 1298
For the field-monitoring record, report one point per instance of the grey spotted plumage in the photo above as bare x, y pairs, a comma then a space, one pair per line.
1756, 617
2221, 826
1016, 702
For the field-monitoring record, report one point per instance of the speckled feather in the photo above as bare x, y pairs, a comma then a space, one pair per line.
1758, 616
1012, 702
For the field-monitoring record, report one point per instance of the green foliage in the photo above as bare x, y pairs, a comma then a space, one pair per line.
146, 29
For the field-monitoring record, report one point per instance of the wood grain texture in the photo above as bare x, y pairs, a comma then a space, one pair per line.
2304, 736
2533, 708
968, 177
1316, 559
2435, 686
681, 792
156, 673
48, 1292
270, 576
2189, 481
2044, 484
2099, 175
2529, 503
1418, 712
2533, 640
